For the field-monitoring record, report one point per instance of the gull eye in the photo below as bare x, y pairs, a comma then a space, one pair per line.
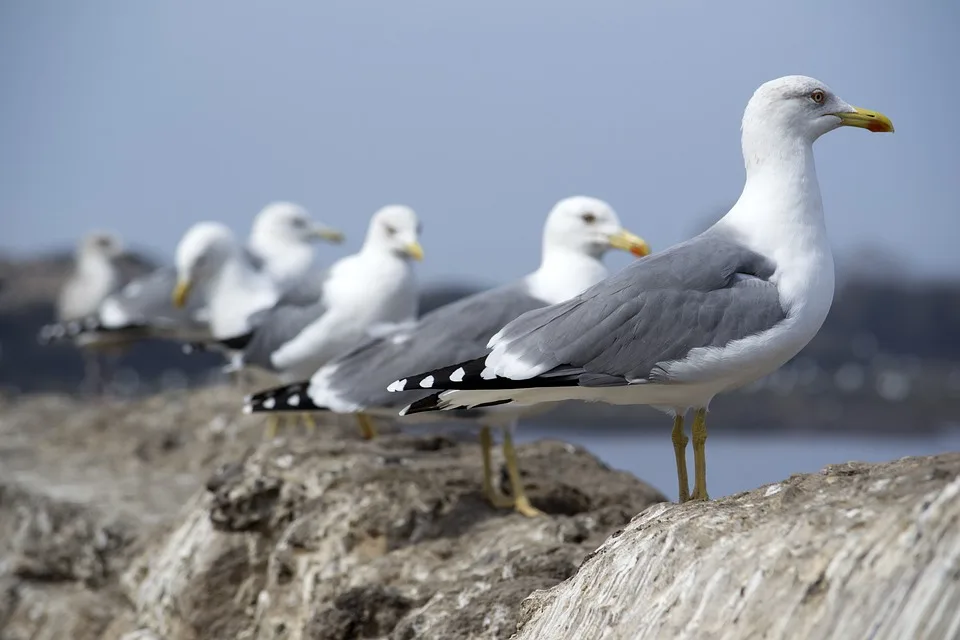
589, 218
818, 96
391, 230
299, 223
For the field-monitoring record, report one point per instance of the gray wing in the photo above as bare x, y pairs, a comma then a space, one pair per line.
307, 290
454, 332
706, 292
148, 301
132, 266
275, 327
253, 258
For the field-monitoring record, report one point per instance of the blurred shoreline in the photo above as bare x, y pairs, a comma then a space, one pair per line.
885, 362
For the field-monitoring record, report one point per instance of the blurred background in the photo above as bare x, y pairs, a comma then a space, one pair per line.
143, 118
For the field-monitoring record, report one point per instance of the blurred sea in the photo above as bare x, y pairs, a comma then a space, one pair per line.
738, 461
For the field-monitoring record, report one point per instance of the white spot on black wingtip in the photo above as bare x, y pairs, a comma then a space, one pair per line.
457, 376
294, 400
397, 385
268, 403
426, 383
487, 374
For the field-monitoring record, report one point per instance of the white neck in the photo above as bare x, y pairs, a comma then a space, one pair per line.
236, 292
98, 271
93, 262
286, 261
564, 273
780, 215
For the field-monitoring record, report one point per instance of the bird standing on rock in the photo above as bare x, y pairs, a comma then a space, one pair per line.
705, 316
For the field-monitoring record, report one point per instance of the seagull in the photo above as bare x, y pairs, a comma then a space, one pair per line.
282, 238
96, 275
212, 263
711, 314
280, 245
371, 290
366, 294
577, 233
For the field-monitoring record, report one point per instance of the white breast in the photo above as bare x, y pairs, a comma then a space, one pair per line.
361, 292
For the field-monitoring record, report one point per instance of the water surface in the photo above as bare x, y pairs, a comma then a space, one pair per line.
739, 462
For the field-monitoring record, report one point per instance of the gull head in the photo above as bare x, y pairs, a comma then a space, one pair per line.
799, 107
396, 229
100, 244
286, 223
591, 226
202, 251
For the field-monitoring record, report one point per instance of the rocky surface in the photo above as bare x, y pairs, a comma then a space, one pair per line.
170, 518
857, 551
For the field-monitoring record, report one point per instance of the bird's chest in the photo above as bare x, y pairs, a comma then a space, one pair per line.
372, 293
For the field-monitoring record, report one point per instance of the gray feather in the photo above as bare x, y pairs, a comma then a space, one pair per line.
452, 333
706, 292
275, 327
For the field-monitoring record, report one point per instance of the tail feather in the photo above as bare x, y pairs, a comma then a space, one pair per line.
290, 397
445, 401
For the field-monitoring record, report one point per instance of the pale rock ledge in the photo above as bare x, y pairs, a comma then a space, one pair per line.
856, 551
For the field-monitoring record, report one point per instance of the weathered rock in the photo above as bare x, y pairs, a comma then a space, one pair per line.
170, 519
857, 551
345, 539
174, 521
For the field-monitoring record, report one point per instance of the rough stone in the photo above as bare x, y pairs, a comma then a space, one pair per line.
169, 518
180, 523
856, 551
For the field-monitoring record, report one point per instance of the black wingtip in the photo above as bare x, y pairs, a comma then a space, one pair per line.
456, 376
423, 405
237, 343
291, 398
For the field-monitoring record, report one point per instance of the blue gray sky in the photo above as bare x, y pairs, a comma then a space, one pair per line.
143, 117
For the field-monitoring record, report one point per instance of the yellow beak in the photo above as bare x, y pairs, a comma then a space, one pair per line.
328, 234
627, 241
866, 119
180, 293
414, 250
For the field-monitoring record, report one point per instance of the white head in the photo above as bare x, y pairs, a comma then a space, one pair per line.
200, 255
395, 229
590, 226
286, 222
99, 246
796, 109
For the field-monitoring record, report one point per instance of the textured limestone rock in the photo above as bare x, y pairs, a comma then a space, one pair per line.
171, 519
857, 551
345, 539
